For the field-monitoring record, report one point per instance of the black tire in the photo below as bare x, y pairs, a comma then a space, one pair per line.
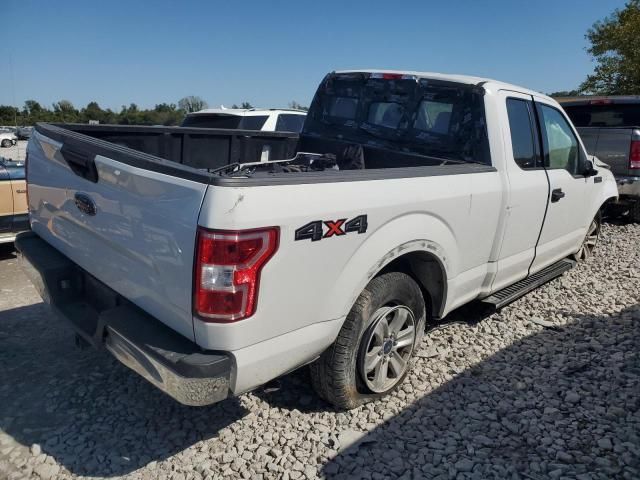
335, 375
590, 240
634, 211
6, 143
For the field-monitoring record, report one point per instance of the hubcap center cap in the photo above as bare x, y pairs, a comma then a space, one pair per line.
386, 348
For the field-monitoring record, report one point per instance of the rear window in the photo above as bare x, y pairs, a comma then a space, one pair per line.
611, 115
213, 120
289, 122
253, 122
427, 117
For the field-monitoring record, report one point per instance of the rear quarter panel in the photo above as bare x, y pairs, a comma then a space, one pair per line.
307, 282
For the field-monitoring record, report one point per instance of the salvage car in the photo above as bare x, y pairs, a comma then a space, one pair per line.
7, 138
406, 195
610, 129
13, 200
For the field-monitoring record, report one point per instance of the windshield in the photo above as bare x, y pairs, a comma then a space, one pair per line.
424, 117
607, 115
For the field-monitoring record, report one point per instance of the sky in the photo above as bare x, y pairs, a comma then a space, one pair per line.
270, 53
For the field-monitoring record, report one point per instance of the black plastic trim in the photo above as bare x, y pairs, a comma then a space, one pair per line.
332, 176
78, 142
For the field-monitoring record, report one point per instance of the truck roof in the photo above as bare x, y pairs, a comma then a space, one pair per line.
598, 100
247, 112
467, 79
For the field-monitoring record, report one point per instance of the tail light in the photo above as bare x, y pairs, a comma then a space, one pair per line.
227, 271
634, 155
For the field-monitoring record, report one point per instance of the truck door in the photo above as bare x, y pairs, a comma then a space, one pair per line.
528, 190
566, 220
19, 191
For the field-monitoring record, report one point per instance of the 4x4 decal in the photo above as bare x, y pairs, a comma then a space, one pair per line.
319, 229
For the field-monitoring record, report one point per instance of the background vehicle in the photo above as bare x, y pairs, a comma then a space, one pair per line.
14, 217
610, 130
410, 195
23, 133
269, 120
7, 139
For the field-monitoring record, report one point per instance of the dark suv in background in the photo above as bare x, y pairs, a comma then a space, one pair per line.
610, 130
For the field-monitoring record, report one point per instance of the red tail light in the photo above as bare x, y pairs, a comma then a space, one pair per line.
227, 271
634, 155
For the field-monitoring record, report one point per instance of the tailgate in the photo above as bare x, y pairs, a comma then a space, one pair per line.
126, 217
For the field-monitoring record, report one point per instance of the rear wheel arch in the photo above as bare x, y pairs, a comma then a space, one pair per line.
428, 271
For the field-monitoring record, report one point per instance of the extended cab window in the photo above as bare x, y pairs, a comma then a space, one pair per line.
561, 142
522, 136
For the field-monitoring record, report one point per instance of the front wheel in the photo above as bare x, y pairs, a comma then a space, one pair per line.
373, 352
590, 241
6, 143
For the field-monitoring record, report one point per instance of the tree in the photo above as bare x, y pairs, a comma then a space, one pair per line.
296, 106
191, 104
615, 47
246, 105
565, 93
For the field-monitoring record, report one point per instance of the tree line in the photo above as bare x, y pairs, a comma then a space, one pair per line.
64, 111
614, 47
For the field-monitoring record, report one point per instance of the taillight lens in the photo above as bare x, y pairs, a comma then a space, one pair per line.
634, 154
227, 271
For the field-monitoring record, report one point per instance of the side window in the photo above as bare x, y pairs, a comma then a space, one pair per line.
561, 142
522, 136
288, 122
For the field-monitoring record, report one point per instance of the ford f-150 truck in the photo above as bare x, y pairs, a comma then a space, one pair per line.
210, 272
610, 130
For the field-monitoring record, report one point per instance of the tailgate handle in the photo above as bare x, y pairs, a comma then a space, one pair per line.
82, 164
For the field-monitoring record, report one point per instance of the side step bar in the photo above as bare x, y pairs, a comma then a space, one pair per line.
511, 293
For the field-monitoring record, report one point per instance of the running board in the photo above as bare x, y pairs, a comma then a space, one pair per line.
508, 294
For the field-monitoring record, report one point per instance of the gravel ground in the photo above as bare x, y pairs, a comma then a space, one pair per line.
16, 152
547, 388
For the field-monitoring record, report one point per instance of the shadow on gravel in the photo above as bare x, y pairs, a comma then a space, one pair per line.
559, 403
294, 391
85, 405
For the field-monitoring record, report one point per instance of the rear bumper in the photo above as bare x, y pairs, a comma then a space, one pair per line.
628, 185
171, 362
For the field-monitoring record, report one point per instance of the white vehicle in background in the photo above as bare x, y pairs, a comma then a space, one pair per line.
267, 120
7, 138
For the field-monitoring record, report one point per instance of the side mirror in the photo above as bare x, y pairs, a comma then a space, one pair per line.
589, 170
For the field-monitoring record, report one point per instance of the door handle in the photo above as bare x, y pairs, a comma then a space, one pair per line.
556, 195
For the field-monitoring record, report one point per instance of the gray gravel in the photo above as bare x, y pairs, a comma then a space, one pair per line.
548, 388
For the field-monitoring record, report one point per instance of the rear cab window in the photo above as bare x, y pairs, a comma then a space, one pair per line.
523, 134
419, 116
289, 122
604, 114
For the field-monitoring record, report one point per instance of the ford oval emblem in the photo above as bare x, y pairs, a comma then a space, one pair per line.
85, 204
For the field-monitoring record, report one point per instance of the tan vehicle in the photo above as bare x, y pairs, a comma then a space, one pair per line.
14, 217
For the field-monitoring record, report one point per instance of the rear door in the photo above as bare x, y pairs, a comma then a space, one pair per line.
566, 220
528, 189
127, 218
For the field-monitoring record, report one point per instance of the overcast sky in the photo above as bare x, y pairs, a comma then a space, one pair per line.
271, 52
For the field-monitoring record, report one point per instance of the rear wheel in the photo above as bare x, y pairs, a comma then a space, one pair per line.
373, 351
590, 241
6, 143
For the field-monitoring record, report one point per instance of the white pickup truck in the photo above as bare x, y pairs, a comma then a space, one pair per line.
406, 195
